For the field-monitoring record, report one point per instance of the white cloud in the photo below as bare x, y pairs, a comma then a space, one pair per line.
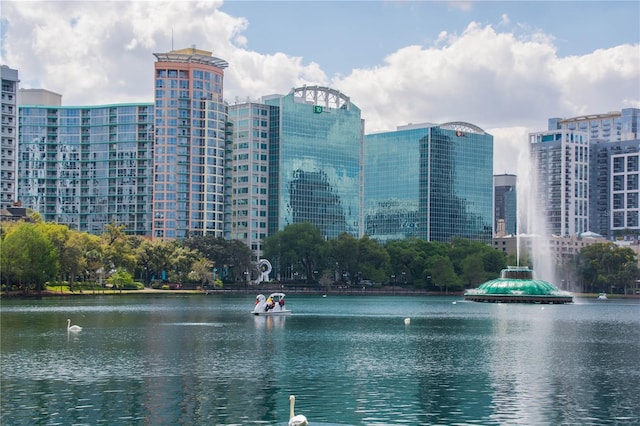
509, 145
509, 86
101, 52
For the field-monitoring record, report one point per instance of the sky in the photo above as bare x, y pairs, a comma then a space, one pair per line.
505, 66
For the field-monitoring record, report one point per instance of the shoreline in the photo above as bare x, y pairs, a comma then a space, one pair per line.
384, 291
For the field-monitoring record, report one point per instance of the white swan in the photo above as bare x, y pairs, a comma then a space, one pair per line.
72, 327
298, 420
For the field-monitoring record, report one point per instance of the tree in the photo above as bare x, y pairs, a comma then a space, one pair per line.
345, 253
120, 279
182, 258
154, 257
605, 265
79, 248
232, 257
443, 274
27, 257
411, 256
118, 248
374, 261
300, 245
58, 235
201, 271
473, 272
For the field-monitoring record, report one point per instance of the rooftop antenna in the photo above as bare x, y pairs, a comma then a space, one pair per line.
171, 38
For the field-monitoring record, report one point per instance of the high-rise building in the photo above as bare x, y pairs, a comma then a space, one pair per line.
612, 126
614, 187
315, 161
255, 125
505, 205
192, 139
561, 165
9, 149
41, 97
587, 170
87, 166
429, 181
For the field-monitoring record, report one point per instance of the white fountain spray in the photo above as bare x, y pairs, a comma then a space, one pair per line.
532, 222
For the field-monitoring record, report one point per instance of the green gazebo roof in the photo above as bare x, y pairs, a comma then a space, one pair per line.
515, 286
517, 283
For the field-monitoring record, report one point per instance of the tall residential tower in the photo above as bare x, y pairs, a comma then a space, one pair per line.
255, 126
190, 197
588, 173
9, 149
87, 166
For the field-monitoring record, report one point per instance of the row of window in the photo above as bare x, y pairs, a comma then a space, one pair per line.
630, 161
631, 181
184, 74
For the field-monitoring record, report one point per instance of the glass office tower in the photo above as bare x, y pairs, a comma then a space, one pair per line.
505, 204
190, 196
428, 181
86, 167
315, 161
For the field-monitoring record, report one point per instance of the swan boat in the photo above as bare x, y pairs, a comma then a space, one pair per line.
602, 296
272, 305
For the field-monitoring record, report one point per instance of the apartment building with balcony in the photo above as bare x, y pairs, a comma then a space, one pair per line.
87, 166
9, 134
192, 146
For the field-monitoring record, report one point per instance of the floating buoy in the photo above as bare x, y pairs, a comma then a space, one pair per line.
407, 321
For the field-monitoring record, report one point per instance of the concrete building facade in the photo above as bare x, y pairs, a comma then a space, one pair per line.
9, 132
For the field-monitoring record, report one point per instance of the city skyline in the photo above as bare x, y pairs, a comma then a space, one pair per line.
504, 66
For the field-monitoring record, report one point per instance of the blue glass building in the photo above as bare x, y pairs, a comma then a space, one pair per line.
433, 182
315, 153
505, 204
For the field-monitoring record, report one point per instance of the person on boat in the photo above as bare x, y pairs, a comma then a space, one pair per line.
270, 303
281, 303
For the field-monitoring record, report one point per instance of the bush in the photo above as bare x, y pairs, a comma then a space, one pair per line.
133, 286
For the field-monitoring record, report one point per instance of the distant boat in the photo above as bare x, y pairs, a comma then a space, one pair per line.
273, 305
603, 296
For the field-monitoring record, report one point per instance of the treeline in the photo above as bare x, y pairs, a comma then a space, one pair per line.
32, 254
300, 253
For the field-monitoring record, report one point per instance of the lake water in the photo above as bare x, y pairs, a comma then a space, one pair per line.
204, 360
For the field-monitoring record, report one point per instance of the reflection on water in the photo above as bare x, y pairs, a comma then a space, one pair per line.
348, 360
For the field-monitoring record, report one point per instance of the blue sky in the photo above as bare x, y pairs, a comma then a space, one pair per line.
503, 66
352, 34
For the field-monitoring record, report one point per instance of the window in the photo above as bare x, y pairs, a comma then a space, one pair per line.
618, 164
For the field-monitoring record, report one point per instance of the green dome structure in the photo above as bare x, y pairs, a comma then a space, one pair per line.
516, 285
